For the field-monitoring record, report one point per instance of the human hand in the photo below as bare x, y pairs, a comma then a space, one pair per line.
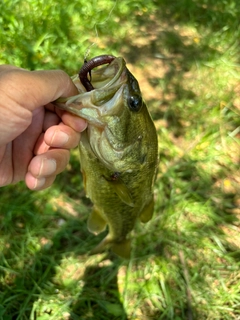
35, 137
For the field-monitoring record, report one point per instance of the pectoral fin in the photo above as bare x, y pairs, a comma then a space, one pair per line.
122, 191
147, 212
96, 224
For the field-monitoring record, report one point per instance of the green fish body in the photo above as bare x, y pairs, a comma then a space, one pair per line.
118, 153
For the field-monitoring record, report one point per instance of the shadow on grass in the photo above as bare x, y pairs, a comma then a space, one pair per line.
169, 39
100, 295
37, 238
30, 277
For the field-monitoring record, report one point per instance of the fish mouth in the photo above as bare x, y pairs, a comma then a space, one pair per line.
104, 96
89, 66
102, 107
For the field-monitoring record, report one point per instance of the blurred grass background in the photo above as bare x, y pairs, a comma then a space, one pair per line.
185, 261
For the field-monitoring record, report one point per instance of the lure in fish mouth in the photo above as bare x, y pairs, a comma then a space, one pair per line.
118, 151
89, 65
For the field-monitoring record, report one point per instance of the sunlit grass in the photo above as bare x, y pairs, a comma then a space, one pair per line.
185, 261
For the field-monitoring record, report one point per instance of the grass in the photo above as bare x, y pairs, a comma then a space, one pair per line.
185, 261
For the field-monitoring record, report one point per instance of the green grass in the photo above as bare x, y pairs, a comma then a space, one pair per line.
185, 261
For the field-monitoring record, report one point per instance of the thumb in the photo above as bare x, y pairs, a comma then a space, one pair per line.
31, 89
23, 91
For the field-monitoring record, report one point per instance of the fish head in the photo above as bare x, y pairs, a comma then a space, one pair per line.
118, 119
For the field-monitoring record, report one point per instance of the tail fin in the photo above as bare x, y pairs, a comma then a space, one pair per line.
122, 249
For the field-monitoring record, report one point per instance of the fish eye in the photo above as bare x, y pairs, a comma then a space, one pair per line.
135, 103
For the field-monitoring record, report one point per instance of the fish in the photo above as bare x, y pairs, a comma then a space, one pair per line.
118, 150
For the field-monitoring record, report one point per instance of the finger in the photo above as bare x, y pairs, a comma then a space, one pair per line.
49, 163
62, 136
6, 170
50, 119
45, 167
69, 119
74, 122
34, 183
41, 146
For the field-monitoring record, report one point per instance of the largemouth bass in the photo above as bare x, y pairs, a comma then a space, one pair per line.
118, 151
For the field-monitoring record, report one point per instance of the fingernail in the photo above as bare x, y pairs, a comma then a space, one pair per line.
83, 127
39, 183
60, 138
48, 167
